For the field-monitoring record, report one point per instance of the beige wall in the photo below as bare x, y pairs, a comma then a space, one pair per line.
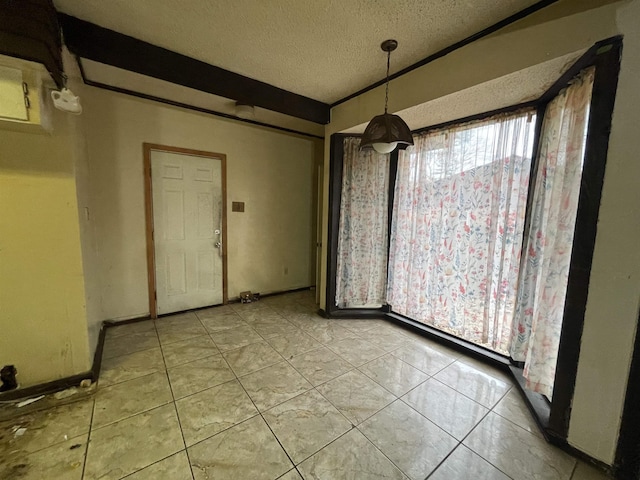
271, 172
42, 305
612, 309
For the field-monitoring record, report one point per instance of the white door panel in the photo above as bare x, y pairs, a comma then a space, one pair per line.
187, 221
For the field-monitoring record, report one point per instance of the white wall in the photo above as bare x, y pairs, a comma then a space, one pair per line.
614, 289
271, 172
612, 308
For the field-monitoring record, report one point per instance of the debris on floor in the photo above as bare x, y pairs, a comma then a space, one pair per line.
248, 297
69, 392
29, 401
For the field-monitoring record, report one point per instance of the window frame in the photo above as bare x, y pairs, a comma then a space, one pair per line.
552, 417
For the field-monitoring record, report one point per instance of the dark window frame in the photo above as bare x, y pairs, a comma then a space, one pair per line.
552, 417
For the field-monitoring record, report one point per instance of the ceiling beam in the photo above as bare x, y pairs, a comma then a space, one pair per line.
99, 44
29, 30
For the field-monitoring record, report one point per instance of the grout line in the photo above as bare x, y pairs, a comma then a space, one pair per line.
86, 452
175, 407
267, 423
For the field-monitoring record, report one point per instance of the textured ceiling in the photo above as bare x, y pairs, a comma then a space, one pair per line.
323, 49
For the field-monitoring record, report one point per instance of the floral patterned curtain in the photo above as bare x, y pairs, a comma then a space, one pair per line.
362, 238
459, 208
543, 283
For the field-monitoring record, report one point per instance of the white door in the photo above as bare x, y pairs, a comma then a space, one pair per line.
187, 224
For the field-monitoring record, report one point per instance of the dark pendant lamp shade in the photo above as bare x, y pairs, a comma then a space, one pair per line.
386, 129
386, 132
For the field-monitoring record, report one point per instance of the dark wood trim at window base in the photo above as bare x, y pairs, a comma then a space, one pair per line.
537, 404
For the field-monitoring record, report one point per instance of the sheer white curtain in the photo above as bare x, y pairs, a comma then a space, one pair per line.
362, 238
543, 282
459, 207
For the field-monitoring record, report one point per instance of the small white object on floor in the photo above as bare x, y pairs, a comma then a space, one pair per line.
29, 401
69, 392
19, 432
86, 383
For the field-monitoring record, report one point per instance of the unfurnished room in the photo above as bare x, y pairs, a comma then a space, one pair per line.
319, 240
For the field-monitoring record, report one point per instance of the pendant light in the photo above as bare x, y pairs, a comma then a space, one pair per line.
386, 132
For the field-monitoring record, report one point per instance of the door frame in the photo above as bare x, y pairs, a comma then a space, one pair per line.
148, 210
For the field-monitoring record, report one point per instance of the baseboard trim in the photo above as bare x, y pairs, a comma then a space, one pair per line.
66, 382
62, 383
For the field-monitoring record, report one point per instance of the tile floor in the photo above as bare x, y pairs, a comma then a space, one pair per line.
270, 390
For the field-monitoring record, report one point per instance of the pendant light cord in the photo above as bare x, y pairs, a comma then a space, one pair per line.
386, 94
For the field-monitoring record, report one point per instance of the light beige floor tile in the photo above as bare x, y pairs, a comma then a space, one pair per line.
385, 340
115, 330
320, 366
393, 374
411, 441
291, 475
301, 320
359, 326
351, 457
247, 451
175, 319
175, 467
248, 359
235, 338
258, 313
293, 343
328, 331
272, 328
208, 412
517, 452
46, 427
587, 472
131, 397
220, 322
217, 311
305, 424
183, 327
133, 342
424, 357
356, 351
199, 375
447, 408
473, 383
273, 385
127, 367
512, 407
487, 368
356, 396
63, 461
188, 350
463, 464
132, 444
